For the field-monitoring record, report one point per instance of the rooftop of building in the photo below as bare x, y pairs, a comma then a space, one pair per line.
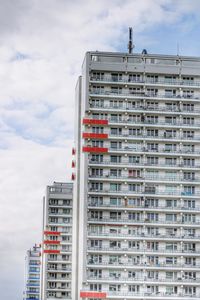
145, 54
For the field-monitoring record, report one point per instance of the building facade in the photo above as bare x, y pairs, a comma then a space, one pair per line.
57, 242
137, 188
32, 273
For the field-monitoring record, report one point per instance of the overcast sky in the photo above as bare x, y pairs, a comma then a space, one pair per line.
42, 45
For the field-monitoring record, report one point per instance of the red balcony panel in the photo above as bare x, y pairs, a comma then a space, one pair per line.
52, 251
73, 176
95, 149
73, 151
51, 232
95, 121
99, 295
73, 164
51, 242
88, 135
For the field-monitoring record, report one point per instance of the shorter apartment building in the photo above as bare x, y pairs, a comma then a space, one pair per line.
32, 273
57, 242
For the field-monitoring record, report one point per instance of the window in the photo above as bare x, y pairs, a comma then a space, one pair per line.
152, 147
152, 217
152, 160
134, 159
171, 203
151, 202
97, 76
114, 274
116, 103
115, 244
190, 162
114, 287
134, 131
188, 121
134, 187
171, 217
188, 190
97, 89
152, 119
152, 105
116, 131
188, 134
170, 133
115, 187
115, 215
170, 120
170, 147
134, 77
115, 201
188, 107
134, 216
134, 288
116, 145
170, 161
152, 132
97, 158
188, 148
115, 159
116, 90
170, 93
116, 77
171, 260
115, 173
115, 117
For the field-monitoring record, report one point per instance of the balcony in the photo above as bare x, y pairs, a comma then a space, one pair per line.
175, 223
148, 123
143, 108
144, 279
149, 192
147, 178
158, 137
147, 207
143, 266
144, 251
142, 236
159, 165
150, 82
143, 95
151, 296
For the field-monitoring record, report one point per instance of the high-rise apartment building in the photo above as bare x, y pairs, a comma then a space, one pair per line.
57, 243
32, 273
137, 189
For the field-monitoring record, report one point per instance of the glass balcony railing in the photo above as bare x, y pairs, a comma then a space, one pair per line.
156, 82
143, 250
151, 123
144, 220
145, 236
164, 136
133, 94
142, 163
147, 295
135, 265
143, 206
143, 178
177, 280
146, 192
142, 108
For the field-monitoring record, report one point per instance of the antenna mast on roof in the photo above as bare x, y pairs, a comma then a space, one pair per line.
130, 43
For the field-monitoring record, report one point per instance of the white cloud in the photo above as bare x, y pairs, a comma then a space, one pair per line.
42, 45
